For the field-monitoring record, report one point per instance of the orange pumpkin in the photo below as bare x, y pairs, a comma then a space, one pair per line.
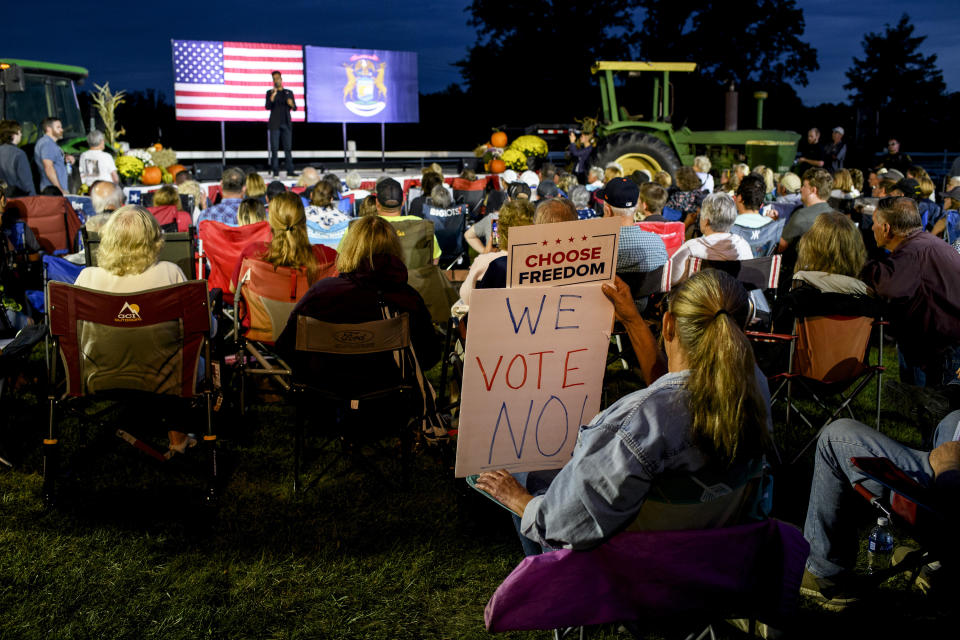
157, 147
498, 139
151, 176
174, 169
497, 165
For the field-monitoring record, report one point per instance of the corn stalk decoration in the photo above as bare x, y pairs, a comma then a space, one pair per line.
106, 103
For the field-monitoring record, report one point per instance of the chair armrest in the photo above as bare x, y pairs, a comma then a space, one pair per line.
770, 337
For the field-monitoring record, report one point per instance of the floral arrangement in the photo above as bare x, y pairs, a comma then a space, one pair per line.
533, 146
514, 159
162, 157
143, 156
130, 166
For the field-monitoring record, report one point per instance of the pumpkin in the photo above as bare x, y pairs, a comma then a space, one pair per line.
151, 176
157, 147
497, 165
498, 139
174, 169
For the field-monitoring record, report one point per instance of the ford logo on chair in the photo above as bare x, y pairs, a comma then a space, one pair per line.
353, 336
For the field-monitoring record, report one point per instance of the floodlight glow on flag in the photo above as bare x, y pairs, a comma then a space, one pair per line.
216, 80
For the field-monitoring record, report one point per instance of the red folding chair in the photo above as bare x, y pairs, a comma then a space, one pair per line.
170, 218
53, 221
672, 234
266, 295
147, 343
221, 246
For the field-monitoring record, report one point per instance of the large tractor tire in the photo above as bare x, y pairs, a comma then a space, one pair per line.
635, 150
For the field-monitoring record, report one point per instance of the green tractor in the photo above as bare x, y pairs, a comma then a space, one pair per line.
31, 91
653, 144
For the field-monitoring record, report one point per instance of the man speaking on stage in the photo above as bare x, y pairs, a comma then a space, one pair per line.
280, 102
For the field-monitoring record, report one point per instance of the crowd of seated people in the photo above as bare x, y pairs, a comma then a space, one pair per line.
705, 407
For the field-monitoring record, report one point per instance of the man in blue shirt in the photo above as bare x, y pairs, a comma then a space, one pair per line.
50, 158
232, 186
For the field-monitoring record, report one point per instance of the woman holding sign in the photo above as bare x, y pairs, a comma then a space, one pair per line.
704, 419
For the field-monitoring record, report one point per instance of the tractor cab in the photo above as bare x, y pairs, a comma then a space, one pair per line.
649, 142
31, 91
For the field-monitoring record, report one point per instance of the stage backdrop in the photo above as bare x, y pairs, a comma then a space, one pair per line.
216, 80
361, 85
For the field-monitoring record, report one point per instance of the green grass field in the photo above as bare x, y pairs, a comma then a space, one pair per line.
131, 552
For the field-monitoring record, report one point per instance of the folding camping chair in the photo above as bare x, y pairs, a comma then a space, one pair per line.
178, 248
699, 577
146, 344
762, 240
171, 219
930, 517
645, 287
416, 243
829, 356
758, 276
264, 299
449, 226
357, 413
221, 246
52, 220
469, 193
219, 250
672, 234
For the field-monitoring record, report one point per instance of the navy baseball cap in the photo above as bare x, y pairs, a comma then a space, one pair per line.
620, 193
389, 193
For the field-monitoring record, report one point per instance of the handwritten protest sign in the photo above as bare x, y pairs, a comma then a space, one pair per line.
533, 373
563, 253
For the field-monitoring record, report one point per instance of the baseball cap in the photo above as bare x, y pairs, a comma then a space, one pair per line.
838, 130
909, 187
953, 194
389, 193
891, 174
548, 189
530, 178
508, 177
620, 192
790, 182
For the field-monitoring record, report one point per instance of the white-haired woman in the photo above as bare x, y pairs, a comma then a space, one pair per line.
717, 215
130, 242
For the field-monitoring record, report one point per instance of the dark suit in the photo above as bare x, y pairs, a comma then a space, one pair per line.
280, 126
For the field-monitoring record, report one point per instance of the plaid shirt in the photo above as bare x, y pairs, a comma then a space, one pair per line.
225, 212
640, 251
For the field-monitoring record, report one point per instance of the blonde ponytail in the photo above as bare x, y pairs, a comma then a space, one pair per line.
290, 246
727, 410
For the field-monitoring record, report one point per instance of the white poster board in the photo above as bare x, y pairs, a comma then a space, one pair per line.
533, 373
563, 253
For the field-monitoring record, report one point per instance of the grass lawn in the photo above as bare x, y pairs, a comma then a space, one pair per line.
131, 552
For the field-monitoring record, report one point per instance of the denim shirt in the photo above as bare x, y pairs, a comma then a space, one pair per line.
600, 491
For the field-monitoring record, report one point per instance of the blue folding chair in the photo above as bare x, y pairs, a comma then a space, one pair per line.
449, 226
762, 240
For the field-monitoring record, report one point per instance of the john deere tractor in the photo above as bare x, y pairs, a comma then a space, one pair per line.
653, 144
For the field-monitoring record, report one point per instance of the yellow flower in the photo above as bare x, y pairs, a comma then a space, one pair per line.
530, 146
514, 159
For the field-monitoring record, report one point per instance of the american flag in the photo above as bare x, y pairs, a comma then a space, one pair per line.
216, 80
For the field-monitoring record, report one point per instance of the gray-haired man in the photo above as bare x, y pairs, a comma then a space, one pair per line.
96, 164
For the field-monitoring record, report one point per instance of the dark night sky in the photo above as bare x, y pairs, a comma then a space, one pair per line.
128, 44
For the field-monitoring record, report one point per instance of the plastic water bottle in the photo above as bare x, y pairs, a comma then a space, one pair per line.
880, 546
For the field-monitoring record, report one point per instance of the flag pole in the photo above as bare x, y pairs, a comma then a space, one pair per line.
345, 159
383, 146
223, 144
